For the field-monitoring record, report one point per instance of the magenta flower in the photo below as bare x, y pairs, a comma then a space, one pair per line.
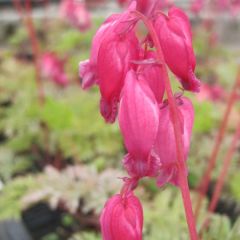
88, 68
174, 32
122, 218
114, 61
165, 145
138, 120
115, 46
76, 13
152, 74
53, 68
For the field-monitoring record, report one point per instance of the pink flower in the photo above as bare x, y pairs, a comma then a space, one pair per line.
53, 68
114, 61
211, 93
165, 145
114, 48
235, 7
174, 32
122, 218
152, 74
138, 120
197, 6
76, 13
88, 68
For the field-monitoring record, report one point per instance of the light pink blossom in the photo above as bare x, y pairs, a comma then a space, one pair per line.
52, 67
76, 13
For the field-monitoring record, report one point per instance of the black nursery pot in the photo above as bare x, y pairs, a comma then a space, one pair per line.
40, 220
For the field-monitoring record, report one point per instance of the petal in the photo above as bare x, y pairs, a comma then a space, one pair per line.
88, 74
153, 75
165, 146
138, 117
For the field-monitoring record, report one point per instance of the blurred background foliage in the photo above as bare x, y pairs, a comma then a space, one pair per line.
63, 154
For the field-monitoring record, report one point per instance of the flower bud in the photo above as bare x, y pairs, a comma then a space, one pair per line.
122, 218
174, 32
165, 145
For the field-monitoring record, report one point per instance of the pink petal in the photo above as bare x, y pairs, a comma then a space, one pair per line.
153, 75
165, 146
138, 117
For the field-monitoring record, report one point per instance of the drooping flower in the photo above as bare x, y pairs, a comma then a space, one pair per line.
122, 218
174, 32
88, 68
138, 120
152, 74
115, 46
52, 67
165, 145
76, 13
114, 61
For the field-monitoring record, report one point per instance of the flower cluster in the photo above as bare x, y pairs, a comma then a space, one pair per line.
132, 81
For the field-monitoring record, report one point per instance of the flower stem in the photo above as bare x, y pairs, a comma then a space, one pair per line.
28, 22
183, 182
204, 183
222, 176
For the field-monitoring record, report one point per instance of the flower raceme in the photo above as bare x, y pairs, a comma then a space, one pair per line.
122, 218
132, 79
76, 13
53, 68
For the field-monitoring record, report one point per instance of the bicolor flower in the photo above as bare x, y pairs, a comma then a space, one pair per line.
174, 32
122, 218
165, 145
52, 67
138, 120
